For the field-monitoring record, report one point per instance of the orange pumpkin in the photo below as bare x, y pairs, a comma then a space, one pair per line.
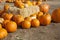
11, 26
7, 16
26, 24
4, 22
19, 4
56, 15
45, 19
44, 8
39, 14
0, 26
3, 33
35, 23
6, 7
18, 19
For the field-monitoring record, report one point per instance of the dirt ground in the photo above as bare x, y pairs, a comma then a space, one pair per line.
50, 32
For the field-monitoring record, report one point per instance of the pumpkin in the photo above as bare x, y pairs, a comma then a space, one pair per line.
18, 19
56, 15
7, 16
4, 22
45, 19
39, 14
19, 4
35, 23
0, 26
11, 26
6, 7
44, 8
28, 18
3, 33
26, 24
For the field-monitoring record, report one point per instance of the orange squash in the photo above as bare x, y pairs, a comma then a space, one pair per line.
7, 16
11, 26
56, 15
18, 19
3, 33
26, 24
35, 23
45, 19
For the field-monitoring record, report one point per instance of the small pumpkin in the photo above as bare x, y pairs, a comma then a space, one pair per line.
11, 26
3, 33
35, 23
44, 8
45, 19
56, 15
7, 16
26, 24
18, 19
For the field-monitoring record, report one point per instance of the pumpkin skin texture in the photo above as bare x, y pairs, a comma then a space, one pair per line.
44, 8
56, 15
3, 33
18, 19
0, 26
35, 23
39, 14
45, 19
7, 16
26, 24
11, 26
4, 22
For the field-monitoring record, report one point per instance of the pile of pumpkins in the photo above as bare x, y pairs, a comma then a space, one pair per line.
10, 22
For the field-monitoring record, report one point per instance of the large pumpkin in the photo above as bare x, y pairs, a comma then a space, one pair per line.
11, 26
56, 15
26, 24
3, 33
35, 23
18, 19
7, 16
45, 19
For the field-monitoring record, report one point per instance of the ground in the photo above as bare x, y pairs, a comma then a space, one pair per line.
50, 32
